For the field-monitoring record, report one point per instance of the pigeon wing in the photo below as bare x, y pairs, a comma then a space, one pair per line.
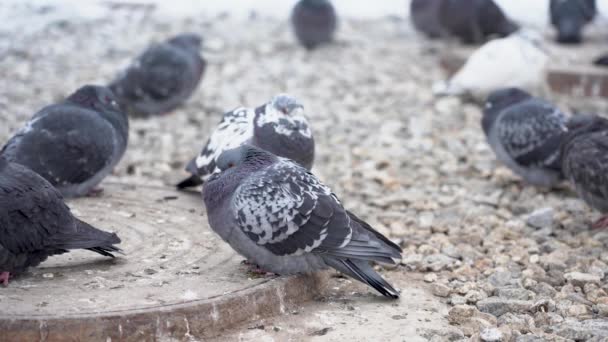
235, 129
531, 133
585, 162
31, 211
67, 145
288, 211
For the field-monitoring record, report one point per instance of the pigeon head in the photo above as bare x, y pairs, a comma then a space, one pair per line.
570, 16
316, 3
244, 156
285, 104
503, 98
187, 40
95, 97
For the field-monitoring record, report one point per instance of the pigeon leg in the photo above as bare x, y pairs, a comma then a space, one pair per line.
4, 278
95, 192
255, 269
601, 223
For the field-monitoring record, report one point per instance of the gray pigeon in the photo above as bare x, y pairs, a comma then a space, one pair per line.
74, 144
282, 218
35, 223
569, 17
425, 17
162, 78
525, 134
314, 22
278, 126
585, 161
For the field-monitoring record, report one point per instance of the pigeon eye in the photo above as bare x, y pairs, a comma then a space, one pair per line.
230, 165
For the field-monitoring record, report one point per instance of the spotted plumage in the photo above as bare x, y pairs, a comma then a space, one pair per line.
281, 217
35, 223
278, 126
161, 78
525, 134
74, 144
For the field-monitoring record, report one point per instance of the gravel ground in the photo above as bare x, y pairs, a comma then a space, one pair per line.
515, 262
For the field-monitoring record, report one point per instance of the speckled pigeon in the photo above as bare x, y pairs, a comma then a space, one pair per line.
585, 161
35, 223
314, 22
282, 218
474, 21
525, 134
74, 144
278, 126
569, 17
162, 78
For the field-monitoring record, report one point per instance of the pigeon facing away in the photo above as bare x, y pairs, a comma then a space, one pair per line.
585, 161
278, 126
73, 144
282, 218
569, 17
515, 61
474, 21
162, 78
35, 223
314, 22
525, 133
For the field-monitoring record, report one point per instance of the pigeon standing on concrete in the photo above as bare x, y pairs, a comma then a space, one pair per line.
474, 21
282, 218
314, 22
35, 223
515, 61
525, 133
278, 126
569, 17
162, 78
74, 144
585, 161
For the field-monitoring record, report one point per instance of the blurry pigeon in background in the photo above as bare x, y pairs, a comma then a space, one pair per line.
425, 17
278, 126
162, 78
282, 218
585, 161
74, 144
569, 17
314, 22
525, 133
35, 223
474, 21
515, 61
601, 61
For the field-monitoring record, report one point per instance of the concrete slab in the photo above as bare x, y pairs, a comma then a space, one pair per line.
346, 313
177, 279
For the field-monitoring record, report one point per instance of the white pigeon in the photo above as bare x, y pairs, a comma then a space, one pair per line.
514, 61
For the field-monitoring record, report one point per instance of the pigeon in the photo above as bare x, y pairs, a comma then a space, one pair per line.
278, 126
425, 17
569, 17
514, 61
162, 78
314, 22
585, 161
525, 133
73, 144
474, 21
35, 223
281, 217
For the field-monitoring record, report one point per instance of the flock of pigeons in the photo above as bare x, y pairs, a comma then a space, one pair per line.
258, 190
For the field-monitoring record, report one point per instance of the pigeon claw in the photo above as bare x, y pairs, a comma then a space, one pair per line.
256, 270
601, 223
95, 192
4, 276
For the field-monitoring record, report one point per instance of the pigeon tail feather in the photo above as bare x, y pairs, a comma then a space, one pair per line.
190, 182
89, 237
363, 272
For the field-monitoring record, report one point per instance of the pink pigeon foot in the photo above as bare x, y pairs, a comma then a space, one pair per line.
4, 278
601, 223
